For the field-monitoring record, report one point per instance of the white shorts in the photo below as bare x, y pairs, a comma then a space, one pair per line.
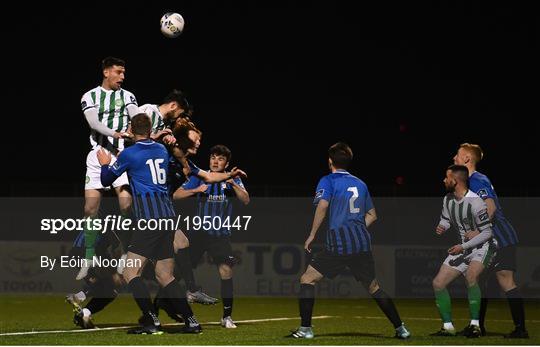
93, 172
461, 262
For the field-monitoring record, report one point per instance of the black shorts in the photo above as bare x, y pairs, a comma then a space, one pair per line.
218, 248
505, 259
331, 264
153, 244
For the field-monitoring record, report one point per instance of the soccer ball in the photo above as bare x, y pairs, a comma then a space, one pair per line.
172, 24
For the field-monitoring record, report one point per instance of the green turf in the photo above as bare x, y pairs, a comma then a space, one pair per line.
357, 322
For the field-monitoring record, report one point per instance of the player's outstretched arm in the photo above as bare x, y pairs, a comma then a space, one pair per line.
371, 216
182, 193
214, 177
320, 213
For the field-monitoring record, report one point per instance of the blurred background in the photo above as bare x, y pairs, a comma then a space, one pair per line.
279, 82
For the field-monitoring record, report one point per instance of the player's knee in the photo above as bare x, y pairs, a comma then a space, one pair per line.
118, 280
506, 280
129, 274
164, 278
437, 284
471, 279
373, 287
307, 279
180, 241
225, 271
91, 208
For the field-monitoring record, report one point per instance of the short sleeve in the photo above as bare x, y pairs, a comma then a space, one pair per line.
324, 190
482, 188
238, 181
192, 183
194, 168
87, 102
129, 99
121, 165
368, 201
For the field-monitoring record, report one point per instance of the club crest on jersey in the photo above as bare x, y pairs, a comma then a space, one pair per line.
223, 185
118, 102
483, 193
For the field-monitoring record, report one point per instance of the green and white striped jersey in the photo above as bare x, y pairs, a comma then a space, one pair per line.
155, 116
468, 214
111, 106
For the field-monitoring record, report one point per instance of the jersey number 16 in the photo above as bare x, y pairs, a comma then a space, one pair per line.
159, 175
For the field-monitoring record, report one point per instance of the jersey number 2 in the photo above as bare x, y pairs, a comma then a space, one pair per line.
354, 196
158, 174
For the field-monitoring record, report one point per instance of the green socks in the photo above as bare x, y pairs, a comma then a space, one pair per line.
90, 236
474, 301
444, 304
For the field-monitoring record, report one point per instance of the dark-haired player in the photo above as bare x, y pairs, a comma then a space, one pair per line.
348, 242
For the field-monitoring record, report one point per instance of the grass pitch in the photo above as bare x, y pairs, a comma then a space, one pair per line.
47, 320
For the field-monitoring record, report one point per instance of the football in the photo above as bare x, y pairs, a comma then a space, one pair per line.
172, 24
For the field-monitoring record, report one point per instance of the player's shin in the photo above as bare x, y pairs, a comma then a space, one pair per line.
183, 262
141, 295
91, 233
444, 304
174, 295
387, 306
475, 295
306, 302
227, 296
515, 300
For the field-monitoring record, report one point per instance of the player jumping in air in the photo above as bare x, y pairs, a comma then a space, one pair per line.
146, 164
107, 108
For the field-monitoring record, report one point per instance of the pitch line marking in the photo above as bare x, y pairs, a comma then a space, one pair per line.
168, 324
438, 319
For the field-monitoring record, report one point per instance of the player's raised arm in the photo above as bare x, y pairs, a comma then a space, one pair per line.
191, 187
214, 177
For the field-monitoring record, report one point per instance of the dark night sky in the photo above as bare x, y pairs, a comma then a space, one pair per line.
280, 82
